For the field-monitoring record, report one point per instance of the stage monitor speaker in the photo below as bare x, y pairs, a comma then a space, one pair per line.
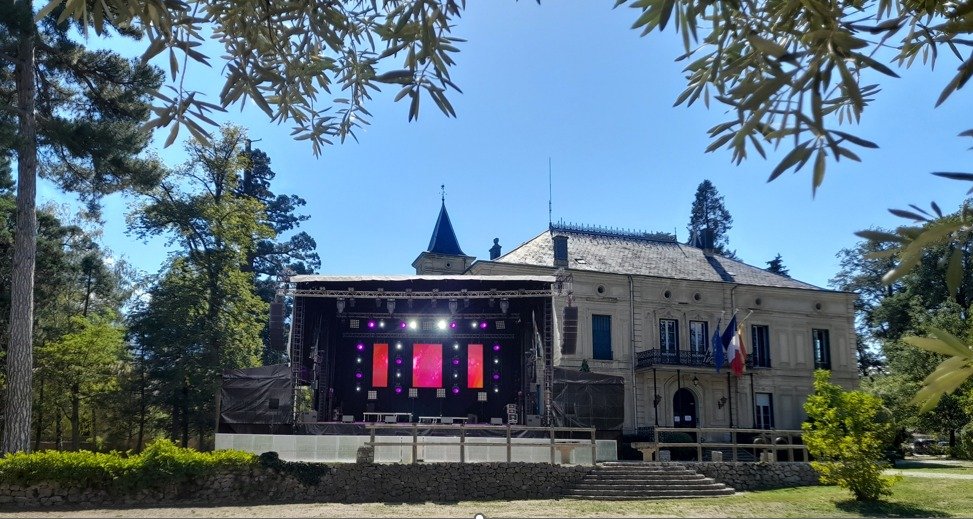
347, 418
276, 326
569, 340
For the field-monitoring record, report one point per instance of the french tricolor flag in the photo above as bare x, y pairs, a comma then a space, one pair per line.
732, 338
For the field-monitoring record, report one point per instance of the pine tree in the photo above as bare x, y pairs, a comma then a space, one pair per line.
82, 112
776, 266
708, 212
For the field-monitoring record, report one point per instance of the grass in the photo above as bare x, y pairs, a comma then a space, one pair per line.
944, 469
912, 497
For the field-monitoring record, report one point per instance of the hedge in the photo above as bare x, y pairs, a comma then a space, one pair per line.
160, 464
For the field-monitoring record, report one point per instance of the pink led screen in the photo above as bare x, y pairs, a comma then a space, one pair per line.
380, 365
474, 366
427, 365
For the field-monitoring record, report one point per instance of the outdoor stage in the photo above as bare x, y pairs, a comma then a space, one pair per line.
423, 361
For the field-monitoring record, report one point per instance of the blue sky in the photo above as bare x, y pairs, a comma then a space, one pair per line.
571, 82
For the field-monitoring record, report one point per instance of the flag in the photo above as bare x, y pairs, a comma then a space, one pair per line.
736, 352
719, 351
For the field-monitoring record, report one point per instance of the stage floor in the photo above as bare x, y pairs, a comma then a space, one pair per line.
336, 447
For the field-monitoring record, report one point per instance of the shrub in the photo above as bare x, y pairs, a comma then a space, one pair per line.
307, 473
847, 432
161, 463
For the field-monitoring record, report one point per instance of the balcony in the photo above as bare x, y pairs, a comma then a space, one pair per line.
656, 357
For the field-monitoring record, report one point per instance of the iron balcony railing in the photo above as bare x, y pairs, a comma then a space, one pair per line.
657, 357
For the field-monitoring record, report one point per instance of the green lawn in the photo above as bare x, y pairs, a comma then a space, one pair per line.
944, 469
913, 497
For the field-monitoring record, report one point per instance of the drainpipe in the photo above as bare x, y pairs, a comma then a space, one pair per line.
631, 337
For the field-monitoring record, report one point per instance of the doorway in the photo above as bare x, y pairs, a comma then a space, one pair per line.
684, 408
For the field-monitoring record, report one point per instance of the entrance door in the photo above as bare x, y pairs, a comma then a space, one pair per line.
684, 408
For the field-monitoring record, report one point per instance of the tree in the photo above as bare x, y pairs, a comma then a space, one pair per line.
709, 213
204, 315
847, 433
82, 112
326, 46
271, 258
776, 266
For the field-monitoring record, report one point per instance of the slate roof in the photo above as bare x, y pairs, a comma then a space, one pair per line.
443, 240
641, 256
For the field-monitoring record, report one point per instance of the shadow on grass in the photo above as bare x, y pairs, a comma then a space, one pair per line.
887, 509
906, 465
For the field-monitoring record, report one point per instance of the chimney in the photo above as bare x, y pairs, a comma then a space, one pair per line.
706, 241
495, 250
560, 251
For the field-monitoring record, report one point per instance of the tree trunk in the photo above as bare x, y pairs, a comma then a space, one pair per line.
94, 427
185, 414
75, 417
40, 416
57, 428
20, 359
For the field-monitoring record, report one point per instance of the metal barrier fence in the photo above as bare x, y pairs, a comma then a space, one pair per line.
770, 441
562, 446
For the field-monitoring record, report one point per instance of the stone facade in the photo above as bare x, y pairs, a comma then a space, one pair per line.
637, 284
756, 476
348, 483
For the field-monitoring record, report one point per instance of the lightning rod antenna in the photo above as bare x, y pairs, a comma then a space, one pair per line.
550, 194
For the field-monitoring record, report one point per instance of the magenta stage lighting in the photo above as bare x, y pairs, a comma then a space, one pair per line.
456, 361
360, 347
455, 390
483, 325
398, 390
371, 325
398, 361
496, 375
496, 347
358, 374
403, 324
452, 325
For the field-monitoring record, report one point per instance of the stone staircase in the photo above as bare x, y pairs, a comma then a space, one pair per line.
617, 481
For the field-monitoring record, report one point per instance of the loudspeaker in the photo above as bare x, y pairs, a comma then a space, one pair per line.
276, 326
569, 340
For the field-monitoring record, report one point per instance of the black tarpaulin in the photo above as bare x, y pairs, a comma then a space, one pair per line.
585, 399
260, 395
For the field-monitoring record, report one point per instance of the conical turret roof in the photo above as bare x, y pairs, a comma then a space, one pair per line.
443, 239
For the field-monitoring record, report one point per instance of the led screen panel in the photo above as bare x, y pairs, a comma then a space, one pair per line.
474, 366
380, 365
427, 365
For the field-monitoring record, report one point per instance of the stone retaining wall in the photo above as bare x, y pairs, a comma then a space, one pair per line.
756, 476
348, 483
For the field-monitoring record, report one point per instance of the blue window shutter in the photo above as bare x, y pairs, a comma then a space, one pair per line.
601, 335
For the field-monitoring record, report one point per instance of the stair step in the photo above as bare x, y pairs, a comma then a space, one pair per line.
637, 498
639, 480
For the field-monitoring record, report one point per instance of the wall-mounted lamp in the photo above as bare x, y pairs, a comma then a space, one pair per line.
721, 403
504, 305
341, 305
657, 400
695, 381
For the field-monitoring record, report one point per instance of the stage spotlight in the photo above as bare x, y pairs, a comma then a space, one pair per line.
413, 324
456, 361
358, 374
474, 325
398, 390
402, 325
455, 345
341, 305
398, 360
483, 325
504, 305
496, 389
398, 345
357, 388
496, 375
496, 347
452, 325
496, 360
360, 346
441, 324
381, 324
359, 360
455, 390
453, 306
455, 375
371, 325
398, 374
